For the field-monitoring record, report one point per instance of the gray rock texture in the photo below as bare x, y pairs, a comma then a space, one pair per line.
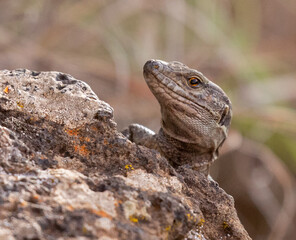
67, 173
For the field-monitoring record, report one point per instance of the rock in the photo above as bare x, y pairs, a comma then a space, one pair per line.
67, 173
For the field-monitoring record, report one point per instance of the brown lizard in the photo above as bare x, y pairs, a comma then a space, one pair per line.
196, 115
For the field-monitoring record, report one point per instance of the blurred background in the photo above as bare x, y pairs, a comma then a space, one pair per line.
246, 47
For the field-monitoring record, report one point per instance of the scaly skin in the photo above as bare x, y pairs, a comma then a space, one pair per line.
196, 115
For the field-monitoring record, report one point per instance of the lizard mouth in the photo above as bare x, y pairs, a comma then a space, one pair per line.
225, 117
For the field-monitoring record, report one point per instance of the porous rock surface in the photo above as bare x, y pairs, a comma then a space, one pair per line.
67, 173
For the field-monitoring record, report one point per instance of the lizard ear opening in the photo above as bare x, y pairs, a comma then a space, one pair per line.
194, 82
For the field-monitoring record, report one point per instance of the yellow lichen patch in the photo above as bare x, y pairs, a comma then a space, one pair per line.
227, 228
101, 213
134, 213
52, 180
85, 230
191, 218
33, 118
168, 228
225, 225
133, 219
201, 222
20, 104
81, 150
129, 167
6, 90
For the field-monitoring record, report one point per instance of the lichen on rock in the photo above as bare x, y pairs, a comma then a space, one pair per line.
66, 172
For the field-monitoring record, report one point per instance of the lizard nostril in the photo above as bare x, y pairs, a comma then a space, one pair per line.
149, 65
154, 64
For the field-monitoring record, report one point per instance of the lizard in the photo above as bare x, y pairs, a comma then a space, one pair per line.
195, 116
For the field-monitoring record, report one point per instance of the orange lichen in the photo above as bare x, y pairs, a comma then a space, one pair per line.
117, 203
81, 150
101, 213
93, 128
72, 132
6, 90
23, 203
105, 142
35, 198
78, 141
69, 208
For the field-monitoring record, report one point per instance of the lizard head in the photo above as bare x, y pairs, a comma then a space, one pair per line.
194, 109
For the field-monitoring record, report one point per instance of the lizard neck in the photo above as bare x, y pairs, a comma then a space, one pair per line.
185, 153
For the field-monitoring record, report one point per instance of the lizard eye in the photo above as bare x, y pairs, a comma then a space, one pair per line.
194, 82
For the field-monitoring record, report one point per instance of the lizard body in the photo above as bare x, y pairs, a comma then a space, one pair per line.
196, 114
